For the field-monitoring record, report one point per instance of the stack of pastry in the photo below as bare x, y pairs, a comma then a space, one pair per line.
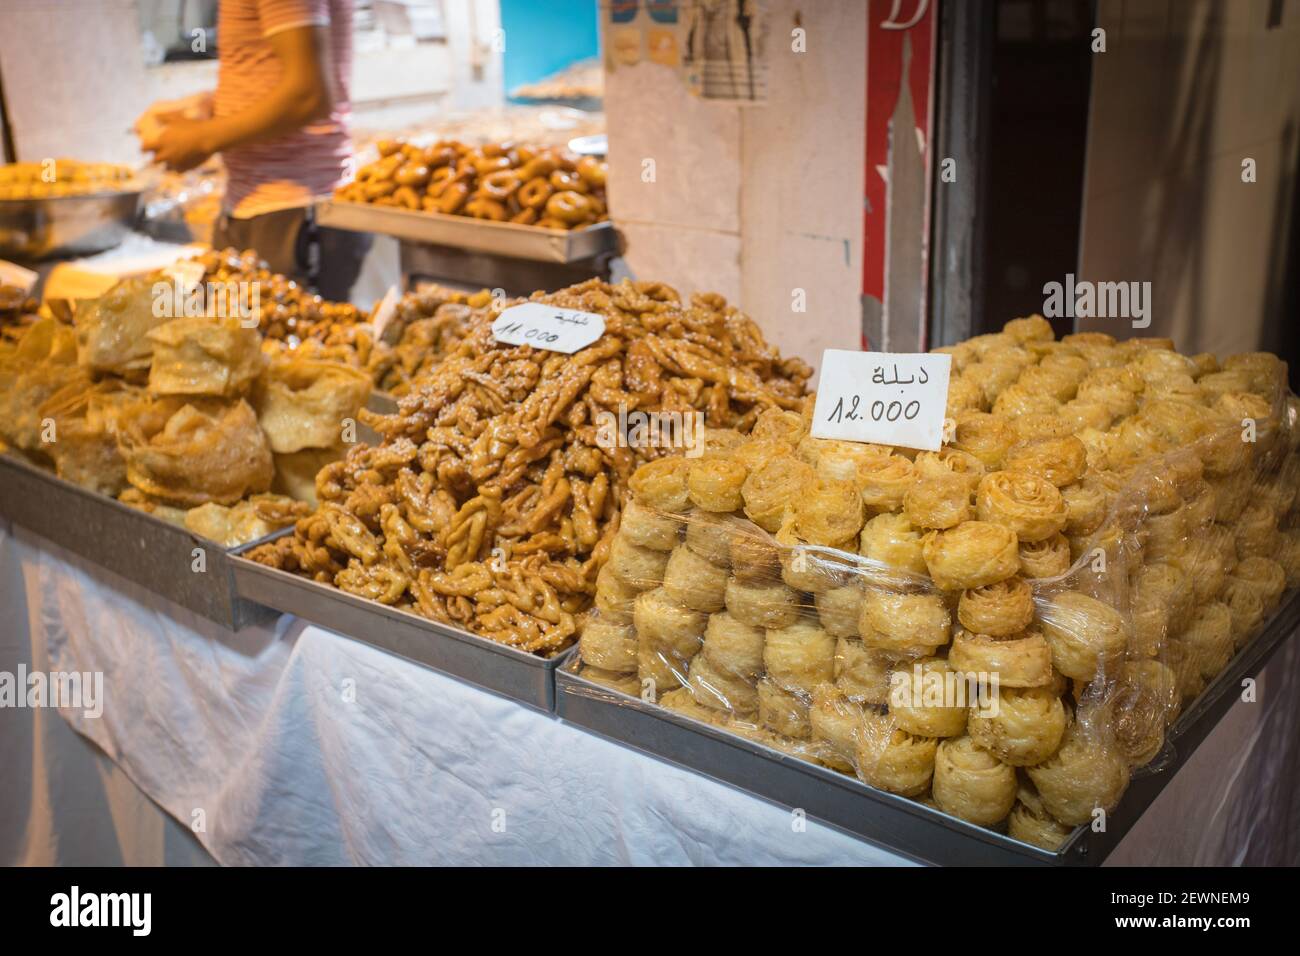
542, 186
289, 312
1004, 628
423, 328
493, 501
182, 417
308, 411
428, 326
63, 177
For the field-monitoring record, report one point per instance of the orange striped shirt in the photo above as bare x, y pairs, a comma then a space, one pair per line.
292, 169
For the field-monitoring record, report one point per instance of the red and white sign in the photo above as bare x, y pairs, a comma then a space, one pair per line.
900, 106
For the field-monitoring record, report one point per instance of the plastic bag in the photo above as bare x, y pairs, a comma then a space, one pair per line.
1004, 629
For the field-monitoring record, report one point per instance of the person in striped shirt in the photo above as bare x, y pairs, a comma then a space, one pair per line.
279, 118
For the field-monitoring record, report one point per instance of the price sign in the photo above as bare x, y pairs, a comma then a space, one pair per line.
546, 327
382, 317
883, 397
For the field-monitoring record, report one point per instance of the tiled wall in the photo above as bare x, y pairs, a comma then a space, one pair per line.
1185, 91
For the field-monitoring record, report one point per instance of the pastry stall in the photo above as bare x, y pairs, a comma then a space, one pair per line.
690, 472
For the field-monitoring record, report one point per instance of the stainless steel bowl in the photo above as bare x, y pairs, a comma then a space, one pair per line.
66, 225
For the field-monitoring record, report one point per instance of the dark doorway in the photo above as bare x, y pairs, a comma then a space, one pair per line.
1038, 130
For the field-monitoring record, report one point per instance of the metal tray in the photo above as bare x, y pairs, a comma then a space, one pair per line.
381, 403
147, 551
512, 673
464, 232
894, 822
32, 229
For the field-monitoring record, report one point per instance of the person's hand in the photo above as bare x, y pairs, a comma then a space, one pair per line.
197, 106
180, 144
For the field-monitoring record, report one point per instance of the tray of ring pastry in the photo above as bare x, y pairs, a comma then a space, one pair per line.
512, 673
918, 830
161, 556
475, 235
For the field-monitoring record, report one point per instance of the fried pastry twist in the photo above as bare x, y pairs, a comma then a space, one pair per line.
502, 460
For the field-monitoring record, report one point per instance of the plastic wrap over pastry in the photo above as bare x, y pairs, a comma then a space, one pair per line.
1086, 774
889, 758
971, 555
972, 783
303, 403
1030, 822
1005, 629
1023, 501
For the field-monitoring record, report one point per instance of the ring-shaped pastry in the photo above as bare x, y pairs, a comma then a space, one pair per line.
534, 193
568, 206
499, 185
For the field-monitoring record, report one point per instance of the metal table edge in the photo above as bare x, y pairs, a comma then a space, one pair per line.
595, 696
239, 616
243, 568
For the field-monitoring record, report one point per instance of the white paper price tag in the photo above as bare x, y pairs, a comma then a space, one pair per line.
883, 397
385, 311
11, 273
546, 327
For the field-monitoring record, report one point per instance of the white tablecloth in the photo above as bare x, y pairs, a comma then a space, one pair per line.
286, 743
